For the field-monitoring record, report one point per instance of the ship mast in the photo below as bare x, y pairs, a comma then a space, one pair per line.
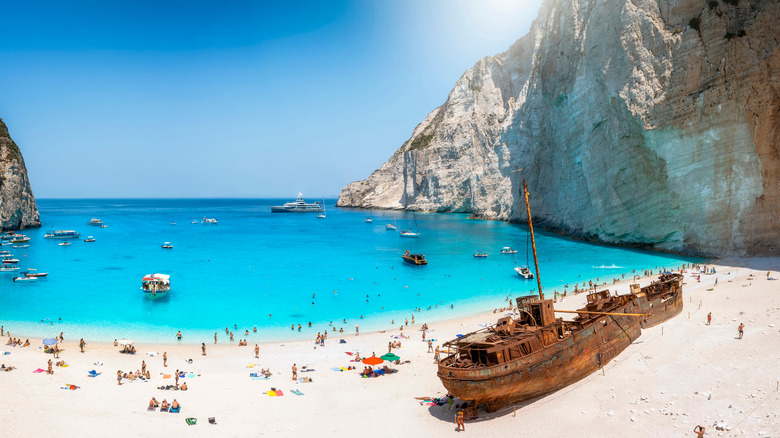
531, 227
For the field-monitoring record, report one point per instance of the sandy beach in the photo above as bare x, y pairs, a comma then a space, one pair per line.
677, 375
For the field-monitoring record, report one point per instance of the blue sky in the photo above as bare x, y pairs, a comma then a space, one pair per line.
231, 99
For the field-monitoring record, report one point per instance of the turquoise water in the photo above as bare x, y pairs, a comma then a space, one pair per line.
253, 264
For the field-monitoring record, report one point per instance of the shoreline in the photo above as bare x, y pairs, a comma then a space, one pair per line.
308, 331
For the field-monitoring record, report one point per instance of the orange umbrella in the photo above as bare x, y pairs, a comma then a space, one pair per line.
373, 360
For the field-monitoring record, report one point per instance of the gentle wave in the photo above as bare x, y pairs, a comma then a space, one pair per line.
612, 266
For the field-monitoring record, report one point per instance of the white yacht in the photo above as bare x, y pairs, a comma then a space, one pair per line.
209, 220
298, 206
524, 272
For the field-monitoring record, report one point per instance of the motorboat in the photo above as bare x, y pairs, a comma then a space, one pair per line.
25, 279
95, 221
207, 220
508, 250
89, 239
62, 234
321, 216
166, 245
8, 268
480, 255
173, 223
524, 272
5, 253
414, 259
9, 235
194, 222
20, 238
156, 286
10, 261
104, 226
34, 273
298, 206
21, 246
64, 243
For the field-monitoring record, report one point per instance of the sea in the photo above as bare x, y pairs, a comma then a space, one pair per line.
273, 271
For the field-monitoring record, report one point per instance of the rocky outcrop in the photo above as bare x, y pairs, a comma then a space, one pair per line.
17, 203
650, 122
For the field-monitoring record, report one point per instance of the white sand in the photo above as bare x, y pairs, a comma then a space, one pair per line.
675, 376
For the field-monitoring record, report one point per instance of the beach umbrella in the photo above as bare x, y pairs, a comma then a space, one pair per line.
390, 357
49, 341
125, 342
373, 360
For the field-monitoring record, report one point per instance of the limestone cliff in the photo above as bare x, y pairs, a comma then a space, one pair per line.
17, 203
651, 122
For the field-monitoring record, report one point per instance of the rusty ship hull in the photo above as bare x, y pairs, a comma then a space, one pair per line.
546, 370
569, 352
661, 300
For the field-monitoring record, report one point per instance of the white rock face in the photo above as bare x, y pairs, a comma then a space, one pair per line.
17, 203
651, 122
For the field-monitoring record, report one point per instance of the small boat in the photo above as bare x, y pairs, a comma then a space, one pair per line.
508, 250
167, 245
95, 221
156, 286
21, 246
409, 232
390, 227
8, 268
173, 223
297, 206
524, 272
9, 235
64, 244
25, 279
9, 261
370, 218
61, 234
104, 226
414, 259
322, 215
480, 255
207, 220
89, 239
5, 253
33, 273
194, 222
20, 238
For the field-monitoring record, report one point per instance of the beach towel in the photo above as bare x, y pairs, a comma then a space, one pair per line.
93, 373
296, 392
252, 374
271, 393
341, 341
339, 369
349, 353
174, 410
151, 353
250, 365
71, 387
39, 370
279, 393
190, 376
166, 376
191, 421
5, 353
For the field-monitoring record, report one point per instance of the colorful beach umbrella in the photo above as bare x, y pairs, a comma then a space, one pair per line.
390, 357
373, 360
49, 341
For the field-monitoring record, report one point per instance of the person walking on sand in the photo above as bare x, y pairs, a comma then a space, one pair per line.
294, 372
459, 422
49, 370
357, 330
741, 329
82, 344
709, 318
118, 377
430, 346
177, 378
215, 338
178, 335
203, 348
165, 359
257, 352
436, 355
